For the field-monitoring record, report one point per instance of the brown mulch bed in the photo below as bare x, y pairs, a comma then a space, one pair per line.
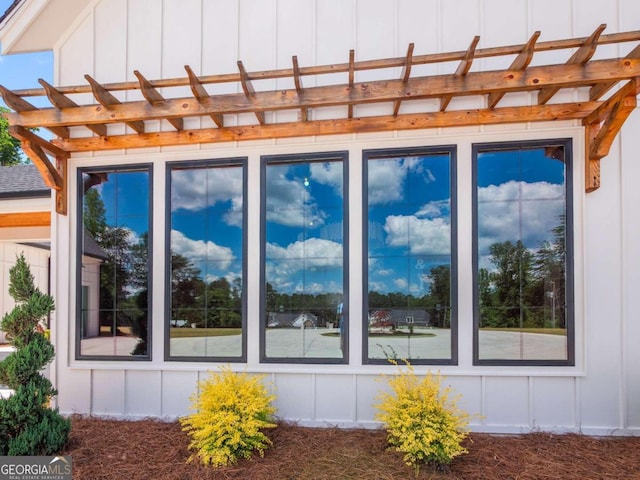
108, 449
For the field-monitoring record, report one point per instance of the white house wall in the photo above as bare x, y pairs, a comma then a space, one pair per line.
601, 394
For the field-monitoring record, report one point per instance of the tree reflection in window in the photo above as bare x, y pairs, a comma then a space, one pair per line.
113, 286
522, 287
206, 260
410, 273
305, 311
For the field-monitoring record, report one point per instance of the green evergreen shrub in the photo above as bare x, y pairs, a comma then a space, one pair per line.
422, 419
231, 411
28, 426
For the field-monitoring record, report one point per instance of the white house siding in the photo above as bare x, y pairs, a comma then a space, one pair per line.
601, 394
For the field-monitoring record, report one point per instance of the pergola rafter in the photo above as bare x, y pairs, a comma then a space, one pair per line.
602, 118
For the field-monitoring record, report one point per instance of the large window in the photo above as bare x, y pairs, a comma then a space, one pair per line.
522, 251
114, 245
205, 260
409, 245
304, 315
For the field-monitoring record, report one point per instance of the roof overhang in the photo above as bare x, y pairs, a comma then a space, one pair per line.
36, 25
606, 88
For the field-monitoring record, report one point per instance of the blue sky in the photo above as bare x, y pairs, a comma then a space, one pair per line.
23, 70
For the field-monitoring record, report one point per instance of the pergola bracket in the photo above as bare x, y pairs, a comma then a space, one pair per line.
54, 176
602, 127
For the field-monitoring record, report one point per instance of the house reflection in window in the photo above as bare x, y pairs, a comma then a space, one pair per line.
113, 251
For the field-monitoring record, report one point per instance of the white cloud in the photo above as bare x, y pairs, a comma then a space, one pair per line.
423, 236
289, 203
386, 178
190, 192
201, 251
377, 286
502, 216
316, 252
435, 209
513, 189
401, 283
385, 181
328, 173
229, 276
313, 254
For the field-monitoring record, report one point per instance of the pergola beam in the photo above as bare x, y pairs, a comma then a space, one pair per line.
19, 104
602, 120
534, 113
520, 63
431, 58
304, 112
107, 100
462, 70
600, 89
405, 75
352, 76
249, 91
476, 83
155, 98
580, 57
201, 94
61, 102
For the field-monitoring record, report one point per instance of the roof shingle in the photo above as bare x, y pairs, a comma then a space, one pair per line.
19, 181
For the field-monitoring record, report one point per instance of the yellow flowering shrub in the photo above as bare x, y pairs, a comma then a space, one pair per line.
422, 419
231, 411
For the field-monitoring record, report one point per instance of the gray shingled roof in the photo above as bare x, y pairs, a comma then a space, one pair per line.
20, 181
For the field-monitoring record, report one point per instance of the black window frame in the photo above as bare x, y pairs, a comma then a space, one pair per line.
372, 154
218, 162
265, 160
478, 148
79, 254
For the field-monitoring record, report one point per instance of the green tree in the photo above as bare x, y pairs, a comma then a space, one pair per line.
486, 293
550, 269
220, 305
512, 278
28, 426
10, 153
94, 214
439, 298
187, 290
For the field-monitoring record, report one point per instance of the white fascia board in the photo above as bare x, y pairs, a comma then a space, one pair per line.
15, 28
25, 205
37, 25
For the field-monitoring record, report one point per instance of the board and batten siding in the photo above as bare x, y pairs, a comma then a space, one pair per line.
112, 38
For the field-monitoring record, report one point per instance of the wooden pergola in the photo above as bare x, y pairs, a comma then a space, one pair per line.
602, 119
